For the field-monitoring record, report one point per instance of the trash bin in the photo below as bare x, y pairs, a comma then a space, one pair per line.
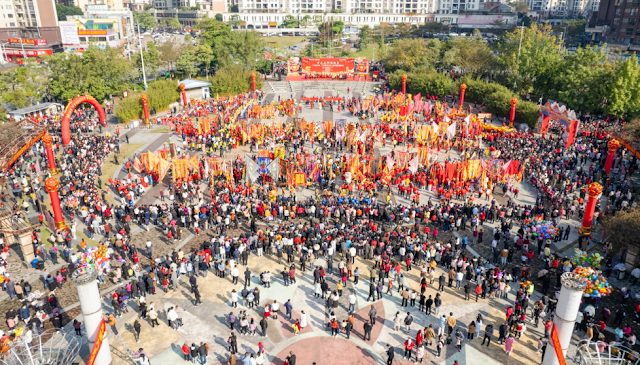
621, 274
34, 262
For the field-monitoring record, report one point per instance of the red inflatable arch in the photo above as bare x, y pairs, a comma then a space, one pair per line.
73, 104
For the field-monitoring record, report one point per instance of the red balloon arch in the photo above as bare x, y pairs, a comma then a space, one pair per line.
73, 104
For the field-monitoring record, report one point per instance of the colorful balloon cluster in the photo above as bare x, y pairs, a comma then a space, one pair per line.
538, 227
582, 258
94, 257
597, 284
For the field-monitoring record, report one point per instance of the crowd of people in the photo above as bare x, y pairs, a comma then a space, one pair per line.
398, 234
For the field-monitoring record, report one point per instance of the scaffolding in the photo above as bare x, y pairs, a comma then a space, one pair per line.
601, 353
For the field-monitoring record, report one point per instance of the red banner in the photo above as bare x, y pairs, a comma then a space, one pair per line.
555, 341
628, 146
327, 65
98, 343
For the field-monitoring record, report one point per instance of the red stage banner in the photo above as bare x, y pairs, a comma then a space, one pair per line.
98, 343
327, 65
555, 341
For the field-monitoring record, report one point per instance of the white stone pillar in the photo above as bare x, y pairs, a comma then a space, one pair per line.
566, 313
91, 304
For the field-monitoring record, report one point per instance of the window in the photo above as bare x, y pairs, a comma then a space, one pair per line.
10, 15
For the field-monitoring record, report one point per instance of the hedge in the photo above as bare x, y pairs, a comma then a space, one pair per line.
161, 94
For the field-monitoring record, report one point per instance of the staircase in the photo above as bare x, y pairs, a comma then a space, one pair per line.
121, 346
280, 87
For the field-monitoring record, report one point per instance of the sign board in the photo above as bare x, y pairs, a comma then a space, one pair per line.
555, 341
33, 42
327, 65
98, 343
92, 32
30, 53
69, 33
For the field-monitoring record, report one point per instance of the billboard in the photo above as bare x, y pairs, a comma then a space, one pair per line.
327, 65
362, 66
69, 33
33, 42
92, 32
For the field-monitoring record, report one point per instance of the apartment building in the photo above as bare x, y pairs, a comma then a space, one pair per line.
264, 22
28, 28
616, 23
563, 8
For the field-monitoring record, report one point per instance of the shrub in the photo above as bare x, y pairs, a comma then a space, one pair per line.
527, 112
233, 80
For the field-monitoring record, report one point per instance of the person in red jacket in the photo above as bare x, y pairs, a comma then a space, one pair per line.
408, 347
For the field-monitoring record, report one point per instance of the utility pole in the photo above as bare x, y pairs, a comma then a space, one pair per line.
144, 75
519, 49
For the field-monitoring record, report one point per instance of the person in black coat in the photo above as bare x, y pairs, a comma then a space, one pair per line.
390, 354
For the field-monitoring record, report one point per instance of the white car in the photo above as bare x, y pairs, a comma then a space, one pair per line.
344, 38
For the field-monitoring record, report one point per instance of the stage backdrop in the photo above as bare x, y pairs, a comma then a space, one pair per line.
327, 65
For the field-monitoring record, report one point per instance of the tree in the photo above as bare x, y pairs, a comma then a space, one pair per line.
520, 6
169, 52
407, 54
233, 79
63, 11
365, 37
572, 31
99, 72
331, 27
174, 23
219, 17
623, 90
151, 59
186, 62
539, 56
204, 54
145, 20
580, 80
623, 229
290, 22
432, 28
423, 81
212, 29
306, 21
245, 47
472, 55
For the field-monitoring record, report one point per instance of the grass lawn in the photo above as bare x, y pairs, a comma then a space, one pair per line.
368, 53
164, 129
109, 168
284, 41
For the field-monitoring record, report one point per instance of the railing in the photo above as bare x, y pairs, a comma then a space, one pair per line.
601, 353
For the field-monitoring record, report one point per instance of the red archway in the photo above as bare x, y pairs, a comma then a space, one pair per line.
73, 104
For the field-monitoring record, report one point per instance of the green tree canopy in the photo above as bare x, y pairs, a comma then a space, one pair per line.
99, 72
63, 10
290, 22
145, 20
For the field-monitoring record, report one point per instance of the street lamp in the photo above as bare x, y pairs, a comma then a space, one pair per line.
144, 75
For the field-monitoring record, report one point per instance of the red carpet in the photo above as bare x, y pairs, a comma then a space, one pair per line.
302, 78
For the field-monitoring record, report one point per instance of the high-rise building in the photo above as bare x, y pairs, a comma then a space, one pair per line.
563, 8
616, 23
28, 28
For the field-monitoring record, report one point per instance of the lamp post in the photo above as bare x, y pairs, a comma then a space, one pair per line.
512, 117
48, 141
404, 84
594, 191
144, 76
51, 185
